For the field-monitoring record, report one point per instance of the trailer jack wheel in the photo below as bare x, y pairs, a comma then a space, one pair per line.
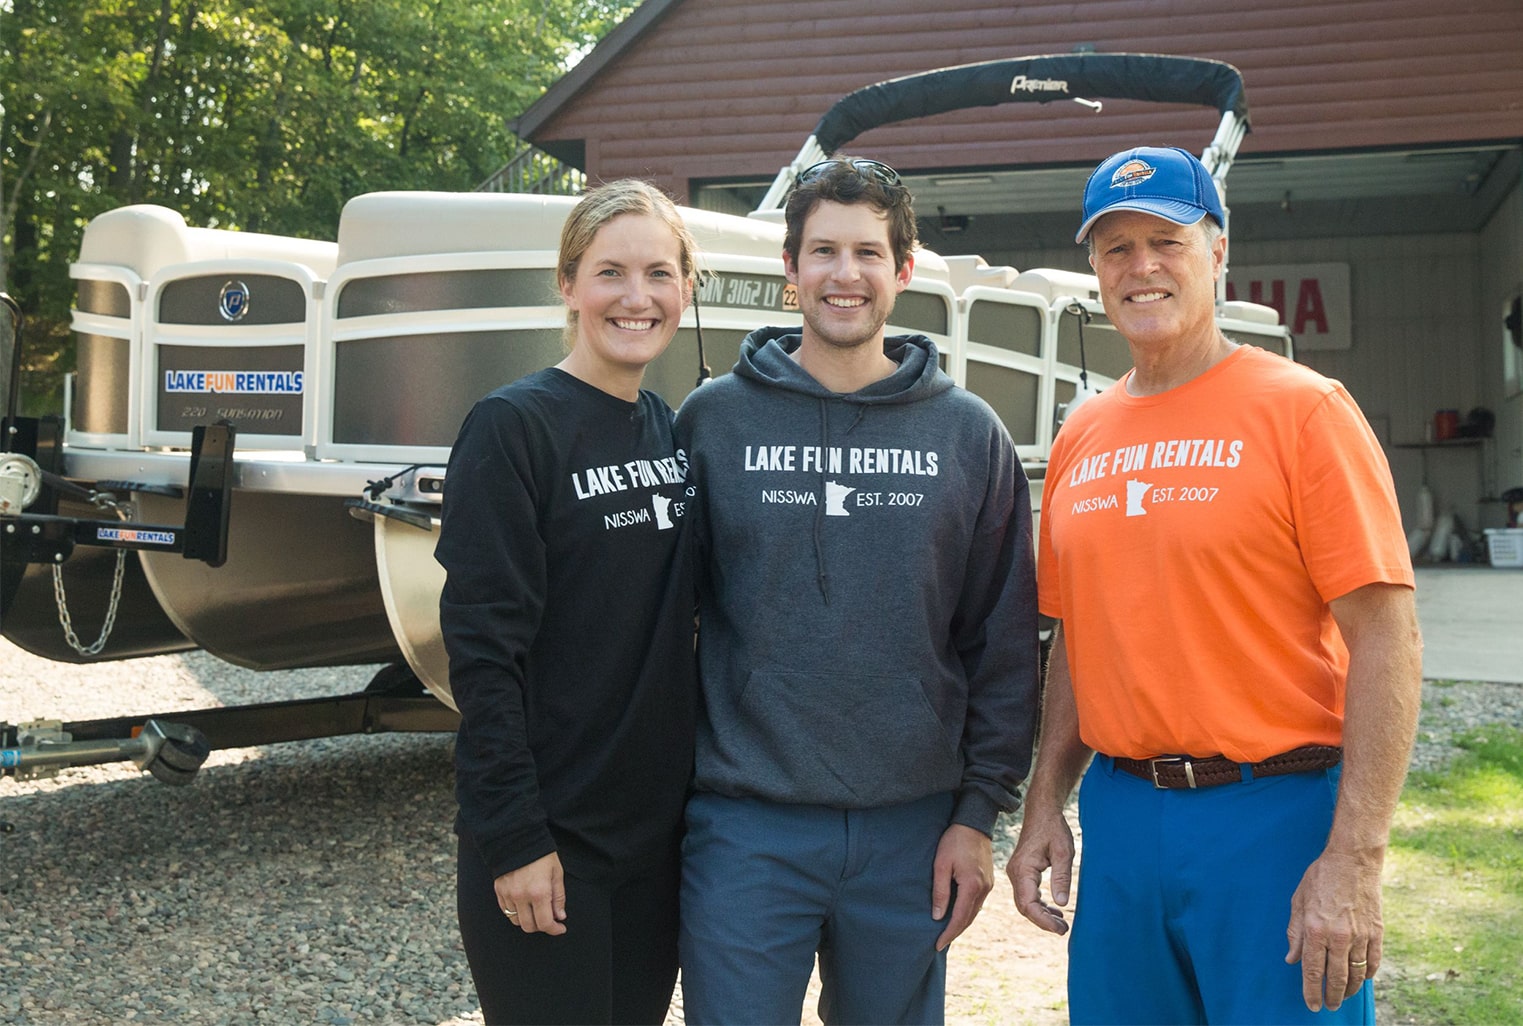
172, 752
179, 754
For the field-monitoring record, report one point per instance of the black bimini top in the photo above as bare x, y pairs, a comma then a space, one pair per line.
1121, 76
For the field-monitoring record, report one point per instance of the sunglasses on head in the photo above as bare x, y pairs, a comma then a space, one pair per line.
875, 170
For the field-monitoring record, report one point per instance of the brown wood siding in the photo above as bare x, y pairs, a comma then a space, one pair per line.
731, 88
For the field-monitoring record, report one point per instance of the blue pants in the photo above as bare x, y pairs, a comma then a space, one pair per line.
765, 886
1184, 897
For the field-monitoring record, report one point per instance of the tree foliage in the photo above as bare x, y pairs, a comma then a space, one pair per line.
263, 116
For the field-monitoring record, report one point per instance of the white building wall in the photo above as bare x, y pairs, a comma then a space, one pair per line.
1502, 278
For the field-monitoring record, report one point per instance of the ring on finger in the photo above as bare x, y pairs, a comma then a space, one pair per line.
510, 912
1358, 965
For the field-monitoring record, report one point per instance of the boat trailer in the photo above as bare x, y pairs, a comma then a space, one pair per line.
171, 746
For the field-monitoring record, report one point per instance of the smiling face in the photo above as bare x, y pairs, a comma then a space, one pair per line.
627, 294
1157, 278
845, 274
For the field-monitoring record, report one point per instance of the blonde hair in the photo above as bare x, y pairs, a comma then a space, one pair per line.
602, 204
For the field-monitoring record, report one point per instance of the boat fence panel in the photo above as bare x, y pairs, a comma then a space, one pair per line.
438, 298
119, 251
411, 391
1003, 338
465, 289
675, 373
1015, 396
923, 311
233, 340
411, 343
105, 322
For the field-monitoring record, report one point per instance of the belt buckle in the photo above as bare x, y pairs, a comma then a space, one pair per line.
1173, 760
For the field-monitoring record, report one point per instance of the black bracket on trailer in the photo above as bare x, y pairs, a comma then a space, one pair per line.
45, 537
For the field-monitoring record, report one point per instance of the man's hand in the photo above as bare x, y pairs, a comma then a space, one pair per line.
964, 857
1335, 927
536, 895
1045, 843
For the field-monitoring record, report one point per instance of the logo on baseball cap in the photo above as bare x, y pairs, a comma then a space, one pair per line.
1164, 181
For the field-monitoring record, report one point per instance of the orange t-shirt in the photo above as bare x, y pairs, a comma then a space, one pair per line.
1191, 542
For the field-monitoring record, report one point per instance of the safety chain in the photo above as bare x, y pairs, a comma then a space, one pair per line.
124, 511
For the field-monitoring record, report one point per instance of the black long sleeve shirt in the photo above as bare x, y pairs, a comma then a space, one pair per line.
567, 614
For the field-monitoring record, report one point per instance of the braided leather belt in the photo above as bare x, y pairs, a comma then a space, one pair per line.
1170, 772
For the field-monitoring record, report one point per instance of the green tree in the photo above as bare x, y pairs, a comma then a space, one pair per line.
265, 116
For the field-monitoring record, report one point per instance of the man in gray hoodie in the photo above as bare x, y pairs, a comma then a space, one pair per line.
867, 644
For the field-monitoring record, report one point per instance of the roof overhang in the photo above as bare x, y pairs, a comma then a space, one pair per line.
588, 68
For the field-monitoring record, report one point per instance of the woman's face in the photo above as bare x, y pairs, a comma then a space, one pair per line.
628, 295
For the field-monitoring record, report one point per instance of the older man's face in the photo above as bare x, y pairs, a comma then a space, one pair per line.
1157, 278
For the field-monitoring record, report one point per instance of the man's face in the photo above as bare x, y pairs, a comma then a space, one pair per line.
845, 274
1157, 278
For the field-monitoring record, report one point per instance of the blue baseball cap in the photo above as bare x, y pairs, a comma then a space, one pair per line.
1162, 180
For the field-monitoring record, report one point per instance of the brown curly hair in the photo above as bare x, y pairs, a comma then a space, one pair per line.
841, 182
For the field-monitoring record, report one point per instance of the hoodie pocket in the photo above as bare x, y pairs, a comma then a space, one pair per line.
844, 739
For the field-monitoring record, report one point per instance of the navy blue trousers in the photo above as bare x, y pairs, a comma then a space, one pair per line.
766, 886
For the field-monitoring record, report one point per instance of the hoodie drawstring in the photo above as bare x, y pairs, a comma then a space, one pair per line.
823, 576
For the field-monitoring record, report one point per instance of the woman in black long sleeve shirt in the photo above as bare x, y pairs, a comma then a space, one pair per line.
567, 613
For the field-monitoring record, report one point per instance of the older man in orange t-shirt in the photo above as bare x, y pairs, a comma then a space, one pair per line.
1238, 648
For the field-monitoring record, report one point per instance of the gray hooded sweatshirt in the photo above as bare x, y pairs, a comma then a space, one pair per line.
867, 597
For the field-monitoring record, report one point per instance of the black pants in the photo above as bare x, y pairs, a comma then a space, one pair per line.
616, 962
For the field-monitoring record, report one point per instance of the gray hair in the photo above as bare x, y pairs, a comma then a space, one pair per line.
1207, 225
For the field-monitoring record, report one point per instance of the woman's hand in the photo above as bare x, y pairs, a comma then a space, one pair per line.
533, 897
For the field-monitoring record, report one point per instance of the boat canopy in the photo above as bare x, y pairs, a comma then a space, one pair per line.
1084, 77
1124, 76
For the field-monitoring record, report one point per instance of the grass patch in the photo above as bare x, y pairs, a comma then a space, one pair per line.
1454, 889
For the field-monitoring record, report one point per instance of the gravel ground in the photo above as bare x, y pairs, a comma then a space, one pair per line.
313, 882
